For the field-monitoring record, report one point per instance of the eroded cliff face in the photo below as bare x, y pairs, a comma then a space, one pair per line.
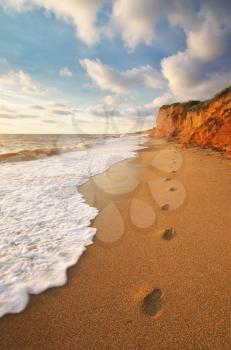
205, 123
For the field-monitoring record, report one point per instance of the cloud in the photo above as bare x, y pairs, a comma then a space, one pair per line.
125, 110
110, 79
114, 100
149, 110
61, 109
81, 13
39, 107
65, 72
20, 80
7, 116
6, 109
7, 112
208, 42
49, 121
136, 20
102, 110
159, 101
16, 116
188, 78
190, 73
59, 105
206, 26
61, 112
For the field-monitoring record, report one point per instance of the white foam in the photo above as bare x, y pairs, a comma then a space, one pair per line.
44, 220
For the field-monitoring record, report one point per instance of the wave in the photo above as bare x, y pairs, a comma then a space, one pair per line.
38, 153
45, 220
28, 154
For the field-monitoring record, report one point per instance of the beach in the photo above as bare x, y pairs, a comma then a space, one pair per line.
102, 304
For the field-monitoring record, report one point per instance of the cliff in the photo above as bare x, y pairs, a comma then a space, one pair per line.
205, 123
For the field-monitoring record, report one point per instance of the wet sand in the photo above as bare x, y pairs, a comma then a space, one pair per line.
138, 286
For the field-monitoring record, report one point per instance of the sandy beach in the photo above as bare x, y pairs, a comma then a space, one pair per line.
103, 304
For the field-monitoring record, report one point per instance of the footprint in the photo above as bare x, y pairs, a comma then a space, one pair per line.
164, 161
167, 179
172, 189
165, 207
161, 193
168, 234
152, 302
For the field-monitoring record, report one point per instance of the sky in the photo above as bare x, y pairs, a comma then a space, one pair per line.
106, 66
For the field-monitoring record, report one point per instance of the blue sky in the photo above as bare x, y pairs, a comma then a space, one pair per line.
120, 59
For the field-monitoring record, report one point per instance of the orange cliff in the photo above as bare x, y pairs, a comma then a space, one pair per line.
205, 123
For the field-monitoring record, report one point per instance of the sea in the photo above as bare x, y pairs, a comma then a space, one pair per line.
44, 220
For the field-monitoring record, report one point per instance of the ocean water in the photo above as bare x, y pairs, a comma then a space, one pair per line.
44, 220
29, 147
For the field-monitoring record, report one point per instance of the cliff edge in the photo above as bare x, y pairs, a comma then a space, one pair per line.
206, 123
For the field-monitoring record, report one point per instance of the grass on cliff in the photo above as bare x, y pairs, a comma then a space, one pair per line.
188, 104
205, 104
201, 105
223, 92
195, 105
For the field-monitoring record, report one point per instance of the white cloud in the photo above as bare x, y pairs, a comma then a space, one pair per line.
205, 29
208, 42
136, 20
188, 72
125, 110
206, 26
114, 100
65, 72
110, 79
159, 101
149, 110
188, 78
81, 13
102, 110
21, 81
135, 25
4, 109
61, 110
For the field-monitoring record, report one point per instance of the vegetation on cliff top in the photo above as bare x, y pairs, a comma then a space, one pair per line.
195, 105
223, 92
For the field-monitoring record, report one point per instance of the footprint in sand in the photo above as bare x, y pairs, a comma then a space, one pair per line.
168, 161
172, 189
168, 234
168, 194
165, 207
168, 179
152, 302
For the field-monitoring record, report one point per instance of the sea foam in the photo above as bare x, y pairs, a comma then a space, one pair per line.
45, 220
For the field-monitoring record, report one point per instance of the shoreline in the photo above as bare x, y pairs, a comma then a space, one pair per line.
50, 225
100, 306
